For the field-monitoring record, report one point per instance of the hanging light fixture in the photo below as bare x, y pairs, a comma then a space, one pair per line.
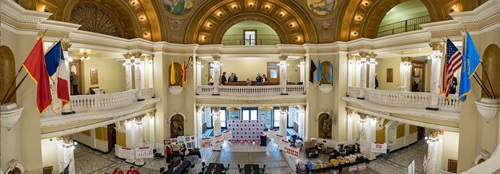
85, 56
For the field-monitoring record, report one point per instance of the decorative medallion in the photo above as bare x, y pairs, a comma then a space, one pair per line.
321, 7
94, 19
175, 25
178, 7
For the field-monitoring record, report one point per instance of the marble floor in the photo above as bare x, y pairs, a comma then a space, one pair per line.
90, 161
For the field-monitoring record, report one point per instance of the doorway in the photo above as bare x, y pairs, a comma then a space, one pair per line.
111, 136
76, 67
417, 76
273, 70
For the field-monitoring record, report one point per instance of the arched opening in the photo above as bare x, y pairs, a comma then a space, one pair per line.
250, 33
492, 67
404, 17
325, 121
176, 126
7, 72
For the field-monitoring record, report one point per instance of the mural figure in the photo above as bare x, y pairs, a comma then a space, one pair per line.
178, 7
321, 7
325, 124
176, 126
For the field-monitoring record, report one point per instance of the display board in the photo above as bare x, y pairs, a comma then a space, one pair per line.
143, 152
245, 129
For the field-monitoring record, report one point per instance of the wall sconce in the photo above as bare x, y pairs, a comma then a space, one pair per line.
453, 8
85, 57
134, 2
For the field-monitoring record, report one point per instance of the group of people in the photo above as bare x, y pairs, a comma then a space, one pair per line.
234, 78
169, 152
132, 170
262, 78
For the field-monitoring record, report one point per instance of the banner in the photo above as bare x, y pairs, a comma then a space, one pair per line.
379, 147
219, 140
227, 135
206, 143
245, 130
126, 153
292, 151
272, 133
143, 152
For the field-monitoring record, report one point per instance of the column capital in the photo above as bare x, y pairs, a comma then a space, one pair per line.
436, 45
143, 58
67, 139
127, 55
357, 57
364, 54
406, 59
65, 46
152, 113
302, 107
351, 57
198, 59
372, 55
216, 57
215, 109
283, 109
283, 57
349, 111
302, 59
137, 54
138, 119
433, 133
199, 108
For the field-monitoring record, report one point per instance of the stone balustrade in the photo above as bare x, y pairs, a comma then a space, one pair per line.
251, 90
86, 103
405, 99
147, 93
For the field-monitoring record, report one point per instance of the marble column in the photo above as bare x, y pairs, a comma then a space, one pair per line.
66, 152
216, 74
362, 71
217, 125
283, 120
283, 74
357, 69
138, 74
65, 46
434, 152
372, 70
150, 71
198, 71
350, 66
302, 123
367, 134
437, 48
199, 124
302, 68
130, 131
128, 71
350, 124
139, 138
152, 128
405, 67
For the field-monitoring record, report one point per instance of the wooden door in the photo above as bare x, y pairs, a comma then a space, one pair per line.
273, 72
111, 136
417, 80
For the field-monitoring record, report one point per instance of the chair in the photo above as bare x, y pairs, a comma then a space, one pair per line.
263, 170
226, 169
203, 166
162, 169
240, 169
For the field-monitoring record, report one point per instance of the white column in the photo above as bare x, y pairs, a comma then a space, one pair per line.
150, 71
138, 74
302, 68
350, 66
128, 71
435, 74
152, 129
372, 70
358, 70
139, 138
130, 132
199, 124
434, 152
283, 75
367, 135
216, 74
350, 123
65, 46
66, 152
198, 71
302, 124
405, 71
283, 120
216, 118
362, 71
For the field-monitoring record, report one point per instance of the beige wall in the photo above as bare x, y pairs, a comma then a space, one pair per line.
111, 74
50, 153
381, 69
450, 148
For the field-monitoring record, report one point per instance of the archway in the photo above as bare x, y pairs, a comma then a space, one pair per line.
7, 72
176, 126
250, 33
492, 67
325, 122
211, 21
406, 16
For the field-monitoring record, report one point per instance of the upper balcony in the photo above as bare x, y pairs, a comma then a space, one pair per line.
252, 93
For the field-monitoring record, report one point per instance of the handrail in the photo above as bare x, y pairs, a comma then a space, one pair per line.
261, 39
85, 103
405, 99
403, 26
250, 90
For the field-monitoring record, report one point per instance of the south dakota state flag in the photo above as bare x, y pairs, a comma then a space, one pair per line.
470, 62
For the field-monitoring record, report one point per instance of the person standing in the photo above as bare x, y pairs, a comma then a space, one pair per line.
235, 78
224, 78
182, 151
376, 80
117, 171
168, 152
231, 78
264, 78
258, 78
74, 82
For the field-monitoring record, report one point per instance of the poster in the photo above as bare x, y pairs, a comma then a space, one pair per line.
126, 153
181, 139
272, 133
292, 151
206, 143
143, 152
379, 147
227, 135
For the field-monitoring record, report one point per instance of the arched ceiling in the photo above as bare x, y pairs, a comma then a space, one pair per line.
200, 21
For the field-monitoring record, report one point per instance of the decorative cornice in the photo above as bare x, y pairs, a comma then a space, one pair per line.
488, 9
15, 12
137, 54
372, 55
436, 45
405, 59
127, 55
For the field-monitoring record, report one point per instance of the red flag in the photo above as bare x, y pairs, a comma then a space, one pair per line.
35, 66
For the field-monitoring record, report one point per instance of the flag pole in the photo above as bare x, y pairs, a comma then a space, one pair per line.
488, 78
15, 89
11, 84
476, 77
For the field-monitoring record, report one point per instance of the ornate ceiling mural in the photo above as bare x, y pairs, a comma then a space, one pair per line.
178, 7
95, 19
321, 7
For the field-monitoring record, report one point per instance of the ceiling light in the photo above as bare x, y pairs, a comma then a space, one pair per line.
250, 4
282, 14
85, 57
235, 6
134, 2
267, 7
142, 18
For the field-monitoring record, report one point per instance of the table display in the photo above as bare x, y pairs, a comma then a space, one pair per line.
245, 129
252, 169
178, 167
348, 162
215, 168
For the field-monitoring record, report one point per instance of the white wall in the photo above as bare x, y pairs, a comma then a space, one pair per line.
50, 153
111, 74
450, 148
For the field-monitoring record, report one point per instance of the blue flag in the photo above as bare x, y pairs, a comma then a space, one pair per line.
330, 76
320, 72
470, 62
52, 58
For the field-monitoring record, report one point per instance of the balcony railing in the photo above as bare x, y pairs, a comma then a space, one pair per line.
86, 103
403, 26
250, 90
261, 39
405, 99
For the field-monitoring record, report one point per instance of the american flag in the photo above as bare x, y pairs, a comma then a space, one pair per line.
453, 62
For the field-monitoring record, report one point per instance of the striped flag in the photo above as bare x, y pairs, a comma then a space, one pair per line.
184, 73
172, 73
452, 64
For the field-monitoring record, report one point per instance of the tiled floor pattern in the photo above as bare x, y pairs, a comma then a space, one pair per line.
90, 161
